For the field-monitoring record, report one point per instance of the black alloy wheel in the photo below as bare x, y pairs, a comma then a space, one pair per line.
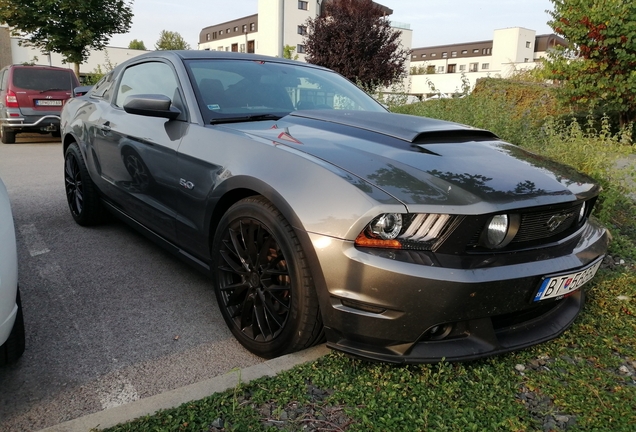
81, 193
263, 284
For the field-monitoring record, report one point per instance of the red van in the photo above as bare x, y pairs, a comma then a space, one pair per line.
31, 99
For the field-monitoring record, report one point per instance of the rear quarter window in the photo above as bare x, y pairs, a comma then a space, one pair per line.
42, 79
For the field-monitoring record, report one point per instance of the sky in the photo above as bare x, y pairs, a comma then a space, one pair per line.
434, 22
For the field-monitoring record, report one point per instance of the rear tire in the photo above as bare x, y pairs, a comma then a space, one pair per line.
81, 193
7, 136
13, 348
262, 280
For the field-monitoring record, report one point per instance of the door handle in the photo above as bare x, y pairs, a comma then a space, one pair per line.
106, 127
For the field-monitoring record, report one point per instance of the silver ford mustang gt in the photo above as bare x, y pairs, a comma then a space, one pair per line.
320, 215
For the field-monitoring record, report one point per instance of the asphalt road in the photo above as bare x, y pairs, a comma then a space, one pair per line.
110, 317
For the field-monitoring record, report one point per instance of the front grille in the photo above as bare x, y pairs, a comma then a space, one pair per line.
541, 225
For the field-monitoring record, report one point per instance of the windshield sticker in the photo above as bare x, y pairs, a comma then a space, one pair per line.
213, 107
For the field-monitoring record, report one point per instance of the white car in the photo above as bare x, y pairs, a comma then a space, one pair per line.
11, 321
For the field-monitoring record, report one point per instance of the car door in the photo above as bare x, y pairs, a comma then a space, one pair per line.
137, 153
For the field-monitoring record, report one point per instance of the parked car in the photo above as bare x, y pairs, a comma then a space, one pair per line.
319, 214
11, 320
31, 98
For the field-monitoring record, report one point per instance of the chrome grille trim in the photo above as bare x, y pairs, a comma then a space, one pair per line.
426, 227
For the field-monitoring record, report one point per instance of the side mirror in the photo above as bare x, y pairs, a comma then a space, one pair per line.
151, 105
81, 91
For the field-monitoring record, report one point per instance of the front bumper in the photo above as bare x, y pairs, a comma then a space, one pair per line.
386, 309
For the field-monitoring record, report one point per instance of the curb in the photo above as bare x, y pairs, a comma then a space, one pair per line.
196, 391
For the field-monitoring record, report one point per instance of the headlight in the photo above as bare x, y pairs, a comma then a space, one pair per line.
500, 231
387, 227
396, 231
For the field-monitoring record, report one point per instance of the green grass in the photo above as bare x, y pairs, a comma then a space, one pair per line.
577, 382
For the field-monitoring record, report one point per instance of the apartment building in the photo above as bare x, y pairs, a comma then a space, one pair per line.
440, 69
277, 24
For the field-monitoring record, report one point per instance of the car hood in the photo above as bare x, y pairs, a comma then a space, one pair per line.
419, 160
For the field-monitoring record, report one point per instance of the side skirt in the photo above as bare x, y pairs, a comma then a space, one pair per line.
156, 238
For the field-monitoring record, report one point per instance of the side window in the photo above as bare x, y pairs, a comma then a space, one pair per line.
100, 89
147, 78
2, 83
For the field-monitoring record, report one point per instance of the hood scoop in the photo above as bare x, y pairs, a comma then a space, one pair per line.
413, 129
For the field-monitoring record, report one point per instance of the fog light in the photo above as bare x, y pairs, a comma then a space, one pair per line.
497, 230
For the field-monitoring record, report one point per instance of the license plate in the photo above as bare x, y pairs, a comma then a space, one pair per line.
561, 285
46, 102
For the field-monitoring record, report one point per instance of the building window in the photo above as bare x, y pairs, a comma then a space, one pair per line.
250, 47
440, 69
242, 49
453, 53
485, 66
252, 26
220, 32
235, 29
414, 56
227, 31
528, 44
444, 55
526, 60
219, 48
207, 36
476, 51
227, 48
433, 55
473, 67
486, 51
213, 35
302, 5
462, 68
300, 49
302, 30
451, 68
244, 28
423, 55
464, 51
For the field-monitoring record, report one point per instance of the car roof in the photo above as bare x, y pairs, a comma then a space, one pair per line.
219, 55
19, 65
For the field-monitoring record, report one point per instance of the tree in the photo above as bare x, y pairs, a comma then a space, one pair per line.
169, 40
288, 52
598, 67
353, 38
68, 27
136, 45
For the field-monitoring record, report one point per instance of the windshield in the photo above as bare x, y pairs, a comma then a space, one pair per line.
29, 78
250, 89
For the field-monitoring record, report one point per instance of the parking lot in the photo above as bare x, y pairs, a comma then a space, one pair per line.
110, 317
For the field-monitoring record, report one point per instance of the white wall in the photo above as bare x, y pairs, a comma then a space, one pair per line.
270, 32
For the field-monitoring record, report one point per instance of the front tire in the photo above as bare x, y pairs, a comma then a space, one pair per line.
12, 349
262, 280
81, 193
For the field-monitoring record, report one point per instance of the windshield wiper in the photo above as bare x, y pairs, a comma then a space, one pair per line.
247, 118
53, 89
